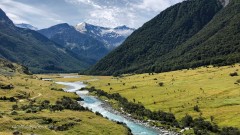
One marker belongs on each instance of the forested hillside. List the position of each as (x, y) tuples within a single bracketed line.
[(190, 34)]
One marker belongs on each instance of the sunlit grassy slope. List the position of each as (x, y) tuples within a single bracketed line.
[(211, 88), (86, 122)]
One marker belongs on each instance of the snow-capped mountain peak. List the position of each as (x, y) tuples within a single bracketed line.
[(26, 26), (81, 27), (112, 37)]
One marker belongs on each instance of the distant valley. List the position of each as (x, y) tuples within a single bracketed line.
[(60, 48)]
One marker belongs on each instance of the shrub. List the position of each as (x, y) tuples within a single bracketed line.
[(238, 81), (233, 74), (187, 121), (230, 131), (134, 87), (161, 84), (15, 107), (99, 114), (196, 108), (14, 113), (28, 111)]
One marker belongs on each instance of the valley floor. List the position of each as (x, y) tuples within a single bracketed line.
[(212, 89), (31, 91)]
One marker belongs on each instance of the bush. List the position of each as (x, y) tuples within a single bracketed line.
[(14, 113), (99, 114), (134, 87), (187, 121), (230, 131), (196, 108), (233, 74), (161, 84), (238, 81), (28, 111), (15, 107)]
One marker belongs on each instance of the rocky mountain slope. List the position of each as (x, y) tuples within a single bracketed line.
[(82, 45), (111, 37)]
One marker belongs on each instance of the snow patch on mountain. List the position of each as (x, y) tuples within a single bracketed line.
[(81, 27), (111, 37), (26, 26)]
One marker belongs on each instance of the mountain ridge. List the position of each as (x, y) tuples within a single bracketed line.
[(26, 26), (34, 50), (112, 37), (80, 44)]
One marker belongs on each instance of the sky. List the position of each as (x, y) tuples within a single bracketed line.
[(107, 13)]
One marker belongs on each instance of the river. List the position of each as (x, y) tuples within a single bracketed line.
[(97, 105)]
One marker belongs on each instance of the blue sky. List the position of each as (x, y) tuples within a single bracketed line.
[(109, 13)]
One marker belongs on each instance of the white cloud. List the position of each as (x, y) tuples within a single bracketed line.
[(154, 5), (23, 13), (110, 13), (119, 12), (87, 2)]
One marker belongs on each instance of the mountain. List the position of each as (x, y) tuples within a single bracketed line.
[(26, 26), (34, 50), (81, 44), (111, 37), (187, 35)]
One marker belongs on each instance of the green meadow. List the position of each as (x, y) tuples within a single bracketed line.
[(212, 90), (31, 90)]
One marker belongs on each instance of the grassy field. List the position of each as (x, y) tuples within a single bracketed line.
[(32, 88), (212, 89)]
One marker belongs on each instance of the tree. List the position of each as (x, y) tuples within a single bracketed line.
[(187, 121), (14, 107)]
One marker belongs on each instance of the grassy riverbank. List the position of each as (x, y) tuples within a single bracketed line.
[(212, 90), (31, 91)]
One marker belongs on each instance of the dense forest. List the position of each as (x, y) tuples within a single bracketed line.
[(187, 35)]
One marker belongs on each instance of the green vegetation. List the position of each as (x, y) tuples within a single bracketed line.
[(35, 106), (191, 34), (208, 95)]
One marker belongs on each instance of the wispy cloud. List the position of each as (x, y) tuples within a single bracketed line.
[(24, 13), (108, 13)]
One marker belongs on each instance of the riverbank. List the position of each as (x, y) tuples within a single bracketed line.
[(209, 95), (104, 108), (160, 130), (147, 123), (22, 110)]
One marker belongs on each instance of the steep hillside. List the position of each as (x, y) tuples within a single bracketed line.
[(151, 48), (9, 68), (217, 44), (34, 50), (81, 44)]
